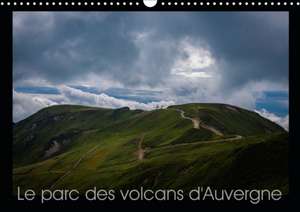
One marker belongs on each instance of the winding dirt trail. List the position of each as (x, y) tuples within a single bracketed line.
[(198, 123), (235, 138), (141, 151), (75, 165)]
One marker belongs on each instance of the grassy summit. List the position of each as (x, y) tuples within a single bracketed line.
[(182, 146)]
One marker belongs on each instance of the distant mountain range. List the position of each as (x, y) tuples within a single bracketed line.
[(182, 146)]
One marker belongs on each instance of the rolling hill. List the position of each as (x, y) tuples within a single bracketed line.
[(182, 146)]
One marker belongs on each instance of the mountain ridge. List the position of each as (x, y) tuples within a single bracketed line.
[(140, 144)]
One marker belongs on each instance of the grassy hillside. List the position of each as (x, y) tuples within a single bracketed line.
[(81, 147), (230, 119)]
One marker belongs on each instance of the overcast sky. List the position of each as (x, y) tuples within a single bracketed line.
[(145, 59)]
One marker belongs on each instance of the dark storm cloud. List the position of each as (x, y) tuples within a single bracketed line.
[(253, 46), (70, 46), (65, 46)]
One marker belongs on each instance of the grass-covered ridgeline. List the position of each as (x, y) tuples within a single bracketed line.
[(101, 146)]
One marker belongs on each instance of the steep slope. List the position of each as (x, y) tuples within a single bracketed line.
[(82, 147)]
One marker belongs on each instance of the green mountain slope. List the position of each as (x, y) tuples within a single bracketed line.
[(179, 147)]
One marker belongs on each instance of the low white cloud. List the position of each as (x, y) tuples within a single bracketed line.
[(282, 121), (27, 104), (77, 96)]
